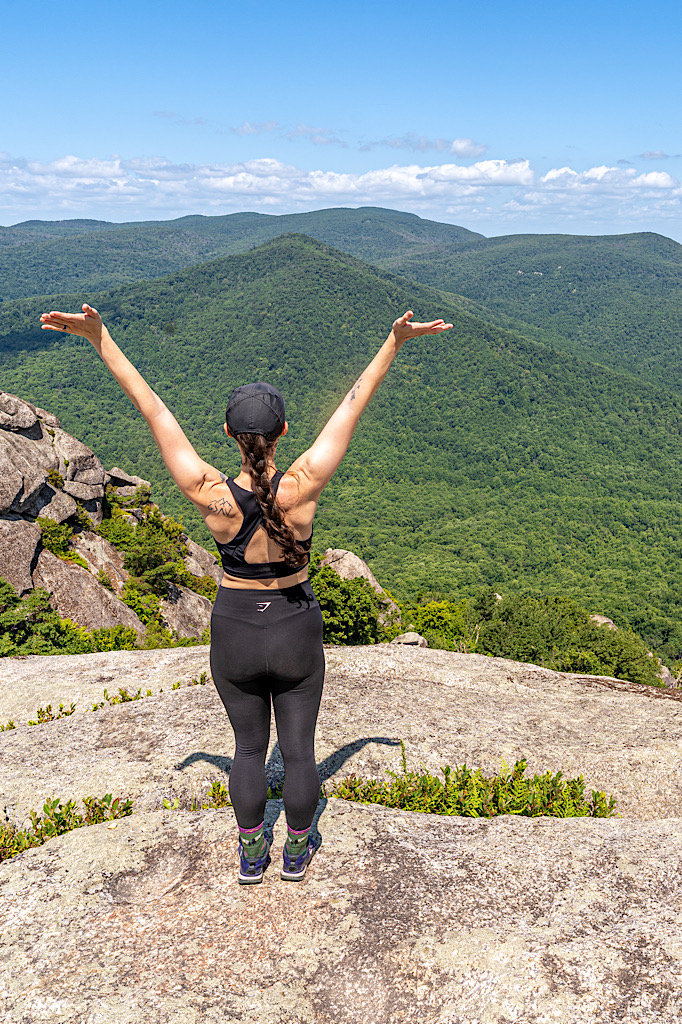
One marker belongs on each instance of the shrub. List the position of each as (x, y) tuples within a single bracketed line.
[(472, 794), (29, 625), (350, 608), (55, 478), (58, 818)]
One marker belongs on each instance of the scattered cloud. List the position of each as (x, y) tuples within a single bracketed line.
[(625, 163), (318, 136), (464, 148), (255, 128), (504, 190), (654, 154)]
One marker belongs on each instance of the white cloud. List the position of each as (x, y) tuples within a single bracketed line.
[(318, 136), (606, 178), (490, 190), (654, 154), (467, 148), (464, 148), (255, 128)]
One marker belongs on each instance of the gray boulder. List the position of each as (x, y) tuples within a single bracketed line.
[(24, 468), (101, 556), (76, 595), (408, 917), (125, 483), (48, 418), (57, 505), (411, 640), (186, 612), (15, 414), (201, 562), (19, 542), (119, 478)]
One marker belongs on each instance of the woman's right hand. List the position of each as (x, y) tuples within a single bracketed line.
[(87, 324), (403, 329)]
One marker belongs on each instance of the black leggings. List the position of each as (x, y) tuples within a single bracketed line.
[(269, 643)]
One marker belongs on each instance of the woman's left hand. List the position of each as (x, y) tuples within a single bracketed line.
[(87, 324)]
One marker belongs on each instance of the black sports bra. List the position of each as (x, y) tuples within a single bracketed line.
[(232, 552)]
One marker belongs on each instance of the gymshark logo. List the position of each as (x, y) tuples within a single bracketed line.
[(262, 605)]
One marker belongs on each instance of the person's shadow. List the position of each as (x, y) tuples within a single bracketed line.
[(274, 774)]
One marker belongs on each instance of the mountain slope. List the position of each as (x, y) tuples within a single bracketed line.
[(615, 299), (485, 458), (41, 257)]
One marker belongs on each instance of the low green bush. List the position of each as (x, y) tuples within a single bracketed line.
[(350, 608), (58, 818), (472, 794)]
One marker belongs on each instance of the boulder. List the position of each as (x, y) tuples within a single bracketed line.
[(19, 542), (24, 468), (603, 620), (125, 483), (57, 505), (350, 566), (447, 708), (15, 414), (48, 418), (76, 595), (186, 612), (101, 556), (75, 458), (411, 640), (201, 562)]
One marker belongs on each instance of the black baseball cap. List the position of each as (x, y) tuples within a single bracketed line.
[(255, 409)]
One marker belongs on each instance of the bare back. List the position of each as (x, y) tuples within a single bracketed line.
[(224, 519)]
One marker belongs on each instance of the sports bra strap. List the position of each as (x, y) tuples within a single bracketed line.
[(232, 553)]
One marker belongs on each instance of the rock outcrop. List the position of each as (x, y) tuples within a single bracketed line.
[(411, 639), (77, 595), (46, 472), (350, 566), (401, 917)]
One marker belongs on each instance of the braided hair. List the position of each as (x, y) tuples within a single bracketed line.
[(257, 449)]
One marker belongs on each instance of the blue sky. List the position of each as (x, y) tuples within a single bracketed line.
[(503, 117)]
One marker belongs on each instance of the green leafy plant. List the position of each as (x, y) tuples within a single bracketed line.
[(55, 478), (47, 714), (58, 818), (171, 806), (463, 791), (216, 798)]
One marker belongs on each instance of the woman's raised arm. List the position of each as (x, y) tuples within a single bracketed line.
[(317, 465), (189, 471)]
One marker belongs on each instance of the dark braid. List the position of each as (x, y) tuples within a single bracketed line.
[(257, 450)]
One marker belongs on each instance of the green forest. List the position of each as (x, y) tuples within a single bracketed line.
[(487, 459)]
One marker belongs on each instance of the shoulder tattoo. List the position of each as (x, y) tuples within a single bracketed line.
[(220, 507)]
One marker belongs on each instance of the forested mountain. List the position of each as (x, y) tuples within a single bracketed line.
[(485, 458), (44, 257), (615, 299)]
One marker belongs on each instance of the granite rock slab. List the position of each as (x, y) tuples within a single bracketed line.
[(400, 919), (447, 708)]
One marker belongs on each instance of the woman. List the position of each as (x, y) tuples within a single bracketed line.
[(266, 626)]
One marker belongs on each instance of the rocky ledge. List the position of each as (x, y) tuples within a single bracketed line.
[(46, 472), (402, 917)]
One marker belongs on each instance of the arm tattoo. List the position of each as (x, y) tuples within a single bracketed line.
[(220, 507), (354, 389)]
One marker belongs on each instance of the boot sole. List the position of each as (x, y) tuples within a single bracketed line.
[(296, 876)]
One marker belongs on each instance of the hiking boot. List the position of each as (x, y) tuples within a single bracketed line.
[(294, 868), (251, 871)]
